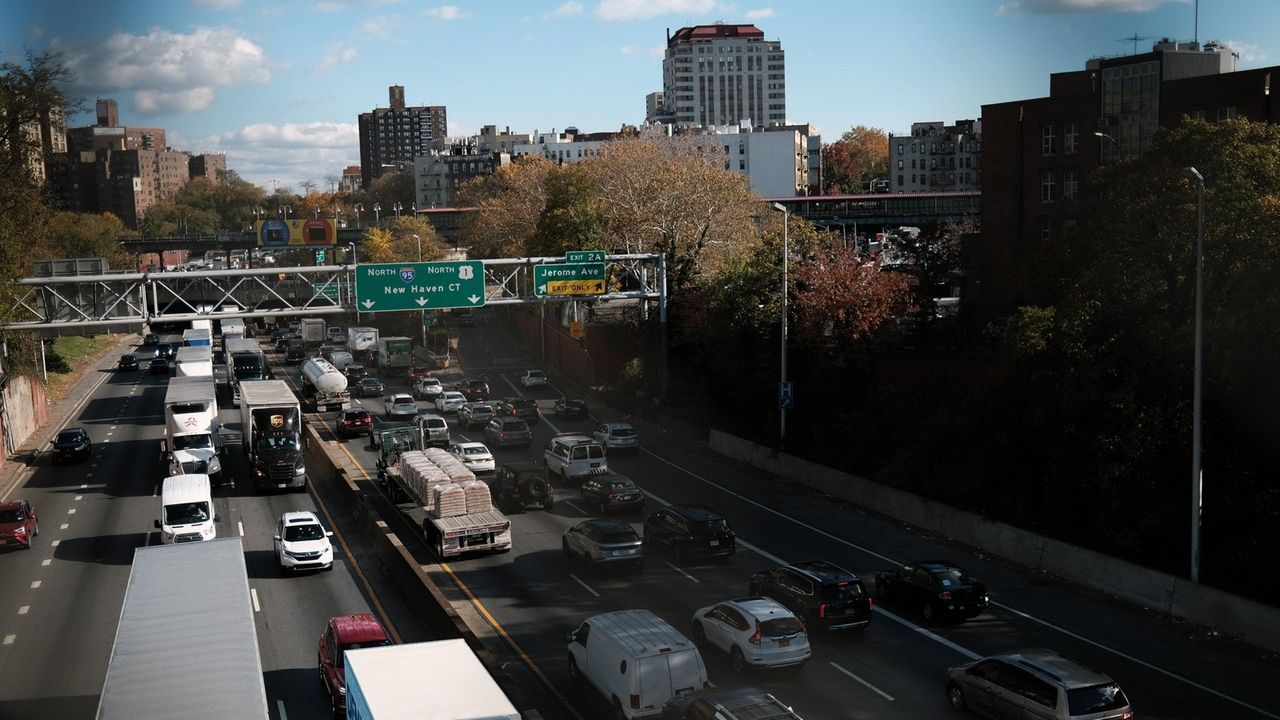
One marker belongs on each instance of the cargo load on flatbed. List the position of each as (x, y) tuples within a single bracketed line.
[(459, 512)]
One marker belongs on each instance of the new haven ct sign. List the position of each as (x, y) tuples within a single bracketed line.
[(420, 286)]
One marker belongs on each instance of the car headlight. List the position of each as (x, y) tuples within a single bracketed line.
[(214, 465), (259, 472), (167, 535), (300, 470)]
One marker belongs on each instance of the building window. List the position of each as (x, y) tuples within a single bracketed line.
[(899, 148), (899, 181), (900, 164), (1047, 230), (1046, 187), (1070, 139), (1048, 139), (1070, 186)]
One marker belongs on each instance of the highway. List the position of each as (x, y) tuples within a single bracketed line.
[(60, 601)]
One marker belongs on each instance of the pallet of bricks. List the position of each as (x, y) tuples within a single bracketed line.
[(443, 485)]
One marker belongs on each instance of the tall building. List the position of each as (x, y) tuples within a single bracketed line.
[(210, 166), (438, 175), (724, 75), (350, 181), (937, 158), (108, 133), (392, 137)]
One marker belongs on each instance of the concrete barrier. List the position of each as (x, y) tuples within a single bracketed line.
[(1246, 619)]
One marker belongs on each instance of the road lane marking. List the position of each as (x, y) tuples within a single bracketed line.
[(240, 525), (85, 486), (253, 593), (88, 474), (678, 569), (79, 497), (575, 507), (35, 584), (280, 706), (46, 562), (54, 543), (866, 684), (8, 639), (71, 511), (23, 610), (584, 585), (64, 526)]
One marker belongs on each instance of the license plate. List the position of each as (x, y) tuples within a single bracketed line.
[(784, 642), (715, 543), (849, 611)]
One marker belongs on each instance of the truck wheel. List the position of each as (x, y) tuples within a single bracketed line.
[(618, 714)]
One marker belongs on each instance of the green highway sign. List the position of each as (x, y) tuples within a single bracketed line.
[(584, 256), (386, 287), (568, 279)]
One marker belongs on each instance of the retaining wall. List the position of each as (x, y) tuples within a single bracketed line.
[(25, 409)]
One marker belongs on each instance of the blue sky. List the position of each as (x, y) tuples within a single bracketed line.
[(278, 85)]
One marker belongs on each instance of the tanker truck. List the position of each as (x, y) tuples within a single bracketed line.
[(324, 385)]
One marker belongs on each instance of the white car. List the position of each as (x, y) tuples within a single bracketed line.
[(475, 456), (302, 543), (400, 405), (428, 388), (755, 631), (450, 401), (617, 436), (533, 379)]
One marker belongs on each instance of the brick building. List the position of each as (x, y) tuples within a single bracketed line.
[(392, 137)]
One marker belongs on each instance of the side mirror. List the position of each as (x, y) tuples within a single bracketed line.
[(164, 446), (157, 523), (275, 537), (328, 533), (217, 517)]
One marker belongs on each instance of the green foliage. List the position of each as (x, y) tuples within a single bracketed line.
[(569, 220), (72, 235)]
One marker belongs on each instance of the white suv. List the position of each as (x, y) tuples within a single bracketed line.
[(428, 388), (302, 543), (533, 379), (400, 405), (755, 631), (617, 436)]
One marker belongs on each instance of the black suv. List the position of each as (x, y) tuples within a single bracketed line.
[(127, 362), (474, 390), (71, 444), (688, 531), (524, 408), (937, 587), (518, 485), (825, 595), (567, 408)]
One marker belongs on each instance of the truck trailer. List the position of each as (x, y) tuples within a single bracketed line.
[(194, 361), (197, 336), (324, 385), (395, 352), (192, 441), (185, 646), (439, 680), (313, 332), (271, 425)]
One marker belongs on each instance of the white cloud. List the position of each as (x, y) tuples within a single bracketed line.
[(216, 4), (1248, 52), (658, 51), (383, 27), (446, 13), (290, 153), (333, 57), (1065, 7), (760, 14), (623, 10), (167, 71), (570, 8)]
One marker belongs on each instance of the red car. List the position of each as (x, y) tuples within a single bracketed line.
[(416, 372), (346, 632), (353, 422), (18, 523)]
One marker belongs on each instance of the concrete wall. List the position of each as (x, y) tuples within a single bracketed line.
[(1251, 621), (25, 409)]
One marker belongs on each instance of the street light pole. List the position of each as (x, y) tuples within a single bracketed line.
[(1197, 472), (354, 263), (359, 207), (377, 214), (397, 207), (782, 385), (1113, 141)]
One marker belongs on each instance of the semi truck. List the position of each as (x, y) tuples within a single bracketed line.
[(232, 328), (194, 361), (441, 680), (197, 336), (192, 441), (455, 510), (313, 332), (186, 645), (271, 425), (362, 342), (395, 352), (245, 362), (324, 385)]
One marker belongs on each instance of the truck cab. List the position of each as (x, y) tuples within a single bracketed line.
[(186, 510)]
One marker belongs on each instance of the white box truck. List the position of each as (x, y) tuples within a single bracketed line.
[(185, 645), (191, 427), (197, 336), (245, 362), (313, 332), (271, 426), (232, 328), (361, 340), (439, 680), (194, 361)]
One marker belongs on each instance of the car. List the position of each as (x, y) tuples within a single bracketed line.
[(617, 436), (1035, 683), (71, 444), (823, 594), (939, 588), (400, 405), (524, 408), (474, 390), (532, 379), (449, 401), (168, 351), (754, 631), (302, 543), (603, 542), (466, 319), (354, 421), (434, 427), (150, 340), (416, 373), (726, 704), (571, 408), (219, 357), (508, 431), (159, 366), (19, 523), (286, 341), (690, 531), (474, 414), (475, 456), (427, 388), (127, 362), (370, 387), (343, 633), (355, 373), (573, 457), (518, 485), (295, 354), (612, 492)]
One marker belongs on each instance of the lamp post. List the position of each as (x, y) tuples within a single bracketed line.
[(359, 208), (1197, 476), (284, 210), (377, 217), (397, 207), (784, 387), (1113, 141), (871, 186), (317, 212)]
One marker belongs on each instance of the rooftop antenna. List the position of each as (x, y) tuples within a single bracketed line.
[(1134, 38)]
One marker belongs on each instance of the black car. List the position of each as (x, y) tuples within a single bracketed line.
[(167, 351), (824, 595), (689, 531), (353, 422), (127, 362), (518, 485), (612, 492), (570, 408), (370, 387), (938, 588), (524, 408), (284, 342), (295, 354), (151, 340), (474, 390), (159, 366), (355, 373), (71, 444), (219, 357)]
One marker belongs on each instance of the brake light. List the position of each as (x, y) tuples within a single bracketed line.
[(502, 436), (613, 496), (755, 637), (822, 610), (871, 604), (945, 595), (635, 702)]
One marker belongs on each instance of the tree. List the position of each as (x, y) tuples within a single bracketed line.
[(509, 204), (72, 235), (860, 156), (392, 188), (570, 219), (842, 299)]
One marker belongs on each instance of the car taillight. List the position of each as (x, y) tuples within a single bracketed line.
[(871, 604), (755, 636), (613, 496), (822, 610), (945, 595), (502, 436), (635, 702)]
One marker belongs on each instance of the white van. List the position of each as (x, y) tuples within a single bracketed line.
[(636, 660), (186, 510), (341, 359)]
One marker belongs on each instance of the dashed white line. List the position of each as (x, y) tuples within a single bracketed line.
[(23, 610), (71, 511), (88, 474), (54, 543), (35, 584), (575, 507), (584, 585), (253, 593), (79, 497), (240, 525), (866, 684), (8, 639), (86, 485), (680, 570), (46, 562), (64, 526)]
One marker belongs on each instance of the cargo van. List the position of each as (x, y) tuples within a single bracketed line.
[(636, 660), (186, 510)]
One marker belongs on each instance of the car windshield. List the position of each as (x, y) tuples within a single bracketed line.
[(370, 382), (514, 425), (523, 404), (617, 536), (951, 577), (127, 358), (12, 515), (403, 400), (474, 451), (68, 436), (781, 627), (186, 513), (842, 592), (357, 416), (300, 533), (276, 442), (1099, 698), (193, 442)]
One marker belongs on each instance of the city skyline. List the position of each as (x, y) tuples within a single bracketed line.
[(279, 86)]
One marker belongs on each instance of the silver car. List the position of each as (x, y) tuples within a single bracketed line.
[(450, 401), (1035, 684), (617, 436), (755, 631), (400, 405), (603, 542)]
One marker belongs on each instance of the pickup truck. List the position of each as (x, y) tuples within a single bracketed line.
[(573, 457)]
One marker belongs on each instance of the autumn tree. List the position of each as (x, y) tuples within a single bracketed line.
[(72, 234), (570, 220), (509, 204), (389, 189), (842, 298), (860, 156)]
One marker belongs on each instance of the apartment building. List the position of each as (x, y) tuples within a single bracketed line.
[(392, 137), (936, 157), (723, 74), (438, 175)]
